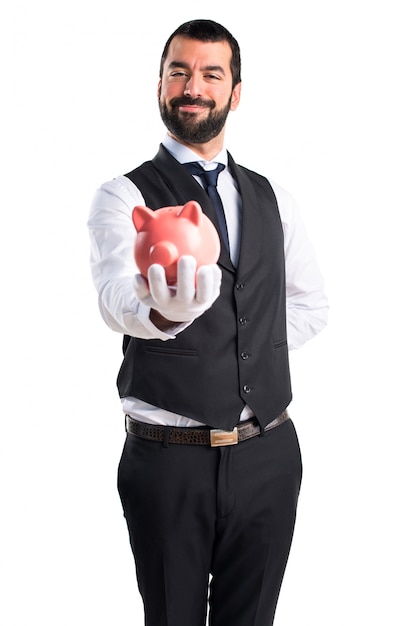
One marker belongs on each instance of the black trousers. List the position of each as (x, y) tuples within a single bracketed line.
[(211, 527)]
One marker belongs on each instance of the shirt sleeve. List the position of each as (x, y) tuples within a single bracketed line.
[(306, 301), (112, 237)]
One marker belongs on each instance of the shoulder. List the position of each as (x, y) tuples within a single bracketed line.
[(114, 200), (121, 188), (285, 201)]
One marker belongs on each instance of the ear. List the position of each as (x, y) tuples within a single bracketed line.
[(235, 96), (192, 211), (141, 215), (159, 87)]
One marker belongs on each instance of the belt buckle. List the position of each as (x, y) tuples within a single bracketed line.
[(220, 437)]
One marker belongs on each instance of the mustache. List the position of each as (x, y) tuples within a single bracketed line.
[(186, 100)]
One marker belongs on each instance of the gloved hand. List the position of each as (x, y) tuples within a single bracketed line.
[(195, 292)]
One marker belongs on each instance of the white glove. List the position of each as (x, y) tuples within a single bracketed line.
[(194, 293)]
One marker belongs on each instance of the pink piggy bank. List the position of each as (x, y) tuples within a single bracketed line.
[(170, 232)]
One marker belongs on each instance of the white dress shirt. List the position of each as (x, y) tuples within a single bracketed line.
[(112, 236)]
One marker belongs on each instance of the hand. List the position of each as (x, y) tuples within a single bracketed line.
[(194, 293)]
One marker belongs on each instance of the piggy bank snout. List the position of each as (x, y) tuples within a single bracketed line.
[(164, 252)]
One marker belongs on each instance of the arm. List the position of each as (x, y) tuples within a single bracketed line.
[(128, 302), (112, 237), (307, 304)]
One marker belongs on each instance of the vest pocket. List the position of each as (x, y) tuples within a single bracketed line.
[(280, 343), (170, 351)]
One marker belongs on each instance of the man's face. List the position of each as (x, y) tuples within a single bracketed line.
[(195, 92)]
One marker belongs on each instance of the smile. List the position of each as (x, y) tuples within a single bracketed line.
[(191, 108)]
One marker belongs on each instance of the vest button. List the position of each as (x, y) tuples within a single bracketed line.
[(240, 286), (247, 388), (242, 321), (244, 355)]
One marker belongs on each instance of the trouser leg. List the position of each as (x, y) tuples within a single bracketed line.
[(258, 490), (168, 497)]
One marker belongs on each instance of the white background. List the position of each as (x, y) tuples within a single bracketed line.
[(318, 115)]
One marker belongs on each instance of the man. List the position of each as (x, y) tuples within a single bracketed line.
[(211, 468)]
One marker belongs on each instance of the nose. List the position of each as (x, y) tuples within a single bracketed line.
[(192, 87)]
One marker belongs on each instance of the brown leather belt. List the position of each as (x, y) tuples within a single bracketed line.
[(201, 436)]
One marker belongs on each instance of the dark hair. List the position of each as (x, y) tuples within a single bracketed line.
[(207, 30)]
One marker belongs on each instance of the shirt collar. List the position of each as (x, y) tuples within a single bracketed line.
[(185, 155)]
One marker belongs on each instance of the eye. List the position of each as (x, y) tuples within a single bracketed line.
[(211, 77), (178, 74)]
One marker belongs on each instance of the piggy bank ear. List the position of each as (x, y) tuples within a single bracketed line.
[(192, 211), (141, 215)]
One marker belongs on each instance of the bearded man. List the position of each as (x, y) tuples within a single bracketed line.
[(211, 469)]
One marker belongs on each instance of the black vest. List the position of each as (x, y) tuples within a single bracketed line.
[(236, 352)]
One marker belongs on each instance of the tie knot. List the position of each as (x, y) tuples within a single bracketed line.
[(209, 177)]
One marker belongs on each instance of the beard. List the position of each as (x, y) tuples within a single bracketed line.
[(186, 127)]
